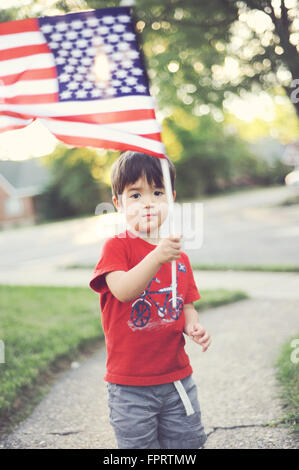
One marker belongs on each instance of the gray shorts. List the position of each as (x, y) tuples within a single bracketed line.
[(163, 416)]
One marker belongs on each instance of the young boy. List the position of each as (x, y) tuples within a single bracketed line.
[(151, 394)]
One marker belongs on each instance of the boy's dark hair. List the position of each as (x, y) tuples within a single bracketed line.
[(130, 166)]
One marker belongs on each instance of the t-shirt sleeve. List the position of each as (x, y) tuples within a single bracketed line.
[(113, 257), (192, 293)]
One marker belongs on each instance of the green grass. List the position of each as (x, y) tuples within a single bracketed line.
[(39, 325), (253, 267), (216, 297), (217, 267), (287, 373), (44, 329)]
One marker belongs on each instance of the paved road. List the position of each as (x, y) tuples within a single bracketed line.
[(245, 227)]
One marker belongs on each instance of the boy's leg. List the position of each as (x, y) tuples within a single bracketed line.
[(133, 416), (180, 425)]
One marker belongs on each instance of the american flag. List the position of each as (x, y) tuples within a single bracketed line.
[(82, 75)]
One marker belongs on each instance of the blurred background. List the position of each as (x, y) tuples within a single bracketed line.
[(225, 78)]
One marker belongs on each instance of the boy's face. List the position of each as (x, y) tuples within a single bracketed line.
[(145, 206)]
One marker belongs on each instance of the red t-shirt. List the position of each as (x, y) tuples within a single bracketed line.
[(144, 337)]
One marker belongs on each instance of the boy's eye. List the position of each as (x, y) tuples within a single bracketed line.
[(157, 193), (135, 195)]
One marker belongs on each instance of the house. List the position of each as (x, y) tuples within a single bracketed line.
[(20, 182)]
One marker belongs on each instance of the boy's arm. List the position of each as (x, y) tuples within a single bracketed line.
[(194, 328), (128, 285)]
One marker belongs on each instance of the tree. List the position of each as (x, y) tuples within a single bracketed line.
[(76, 185), (198, 52), (273, 33)]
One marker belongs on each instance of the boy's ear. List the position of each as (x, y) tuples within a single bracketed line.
[(117, 203), (174, 195)]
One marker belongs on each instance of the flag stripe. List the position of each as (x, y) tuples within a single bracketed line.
[(16, 115), (8, 121), (21, 39), (100, 118), (28, 99), (35, 74), (11, 128), (24, 51), (155, 136), (38, 61), (28, 87), (94, 131), (127, 103), (106, 144), (111, 118), (145, 128), (19, 26)]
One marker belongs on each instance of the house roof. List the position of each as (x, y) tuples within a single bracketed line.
[(24, 177)]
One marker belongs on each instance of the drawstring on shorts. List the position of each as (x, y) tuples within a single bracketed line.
[(184, 397)]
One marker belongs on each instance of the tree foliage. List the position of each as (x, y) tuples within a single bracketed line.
[(76, 185), (199, 52)]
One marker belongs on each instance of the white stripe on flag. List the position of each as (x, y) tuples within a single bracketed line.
[(75, 108), (31, 87), (95, 131), (29, 38), (149, 126), (19, 65), (6, 121)]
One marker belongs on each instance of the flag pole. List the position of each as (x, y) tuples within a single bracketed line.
[(169, 194)]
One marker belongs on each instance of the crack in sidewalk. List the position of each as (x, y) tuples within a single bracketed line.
[(65, 433), (238, 426), (214, 429)]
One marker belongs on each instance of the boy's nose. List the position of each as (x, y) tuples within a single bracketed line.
[(148, 203)]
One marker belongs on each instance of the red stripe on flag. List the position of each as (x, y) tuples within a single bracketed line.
[(23, 51), (106, 144), (11, 128), (111, 118), (19, 26), (38, 74), (156, 136), (16, 115), (33, 99)]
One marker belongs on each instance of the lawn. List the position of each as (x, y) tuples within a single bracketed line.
[(40, 326), (219, 267), (287, 372)]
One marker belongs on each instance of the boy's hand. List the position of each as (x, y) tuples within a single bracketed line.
[(168, 249), (199, 334)]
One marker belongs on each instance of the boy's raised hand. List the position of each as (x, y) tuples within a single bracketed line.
[(168, 249)]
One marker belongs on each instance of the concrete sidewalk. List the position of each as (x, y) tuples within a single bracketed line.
[(236, 378), (258, 284)]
